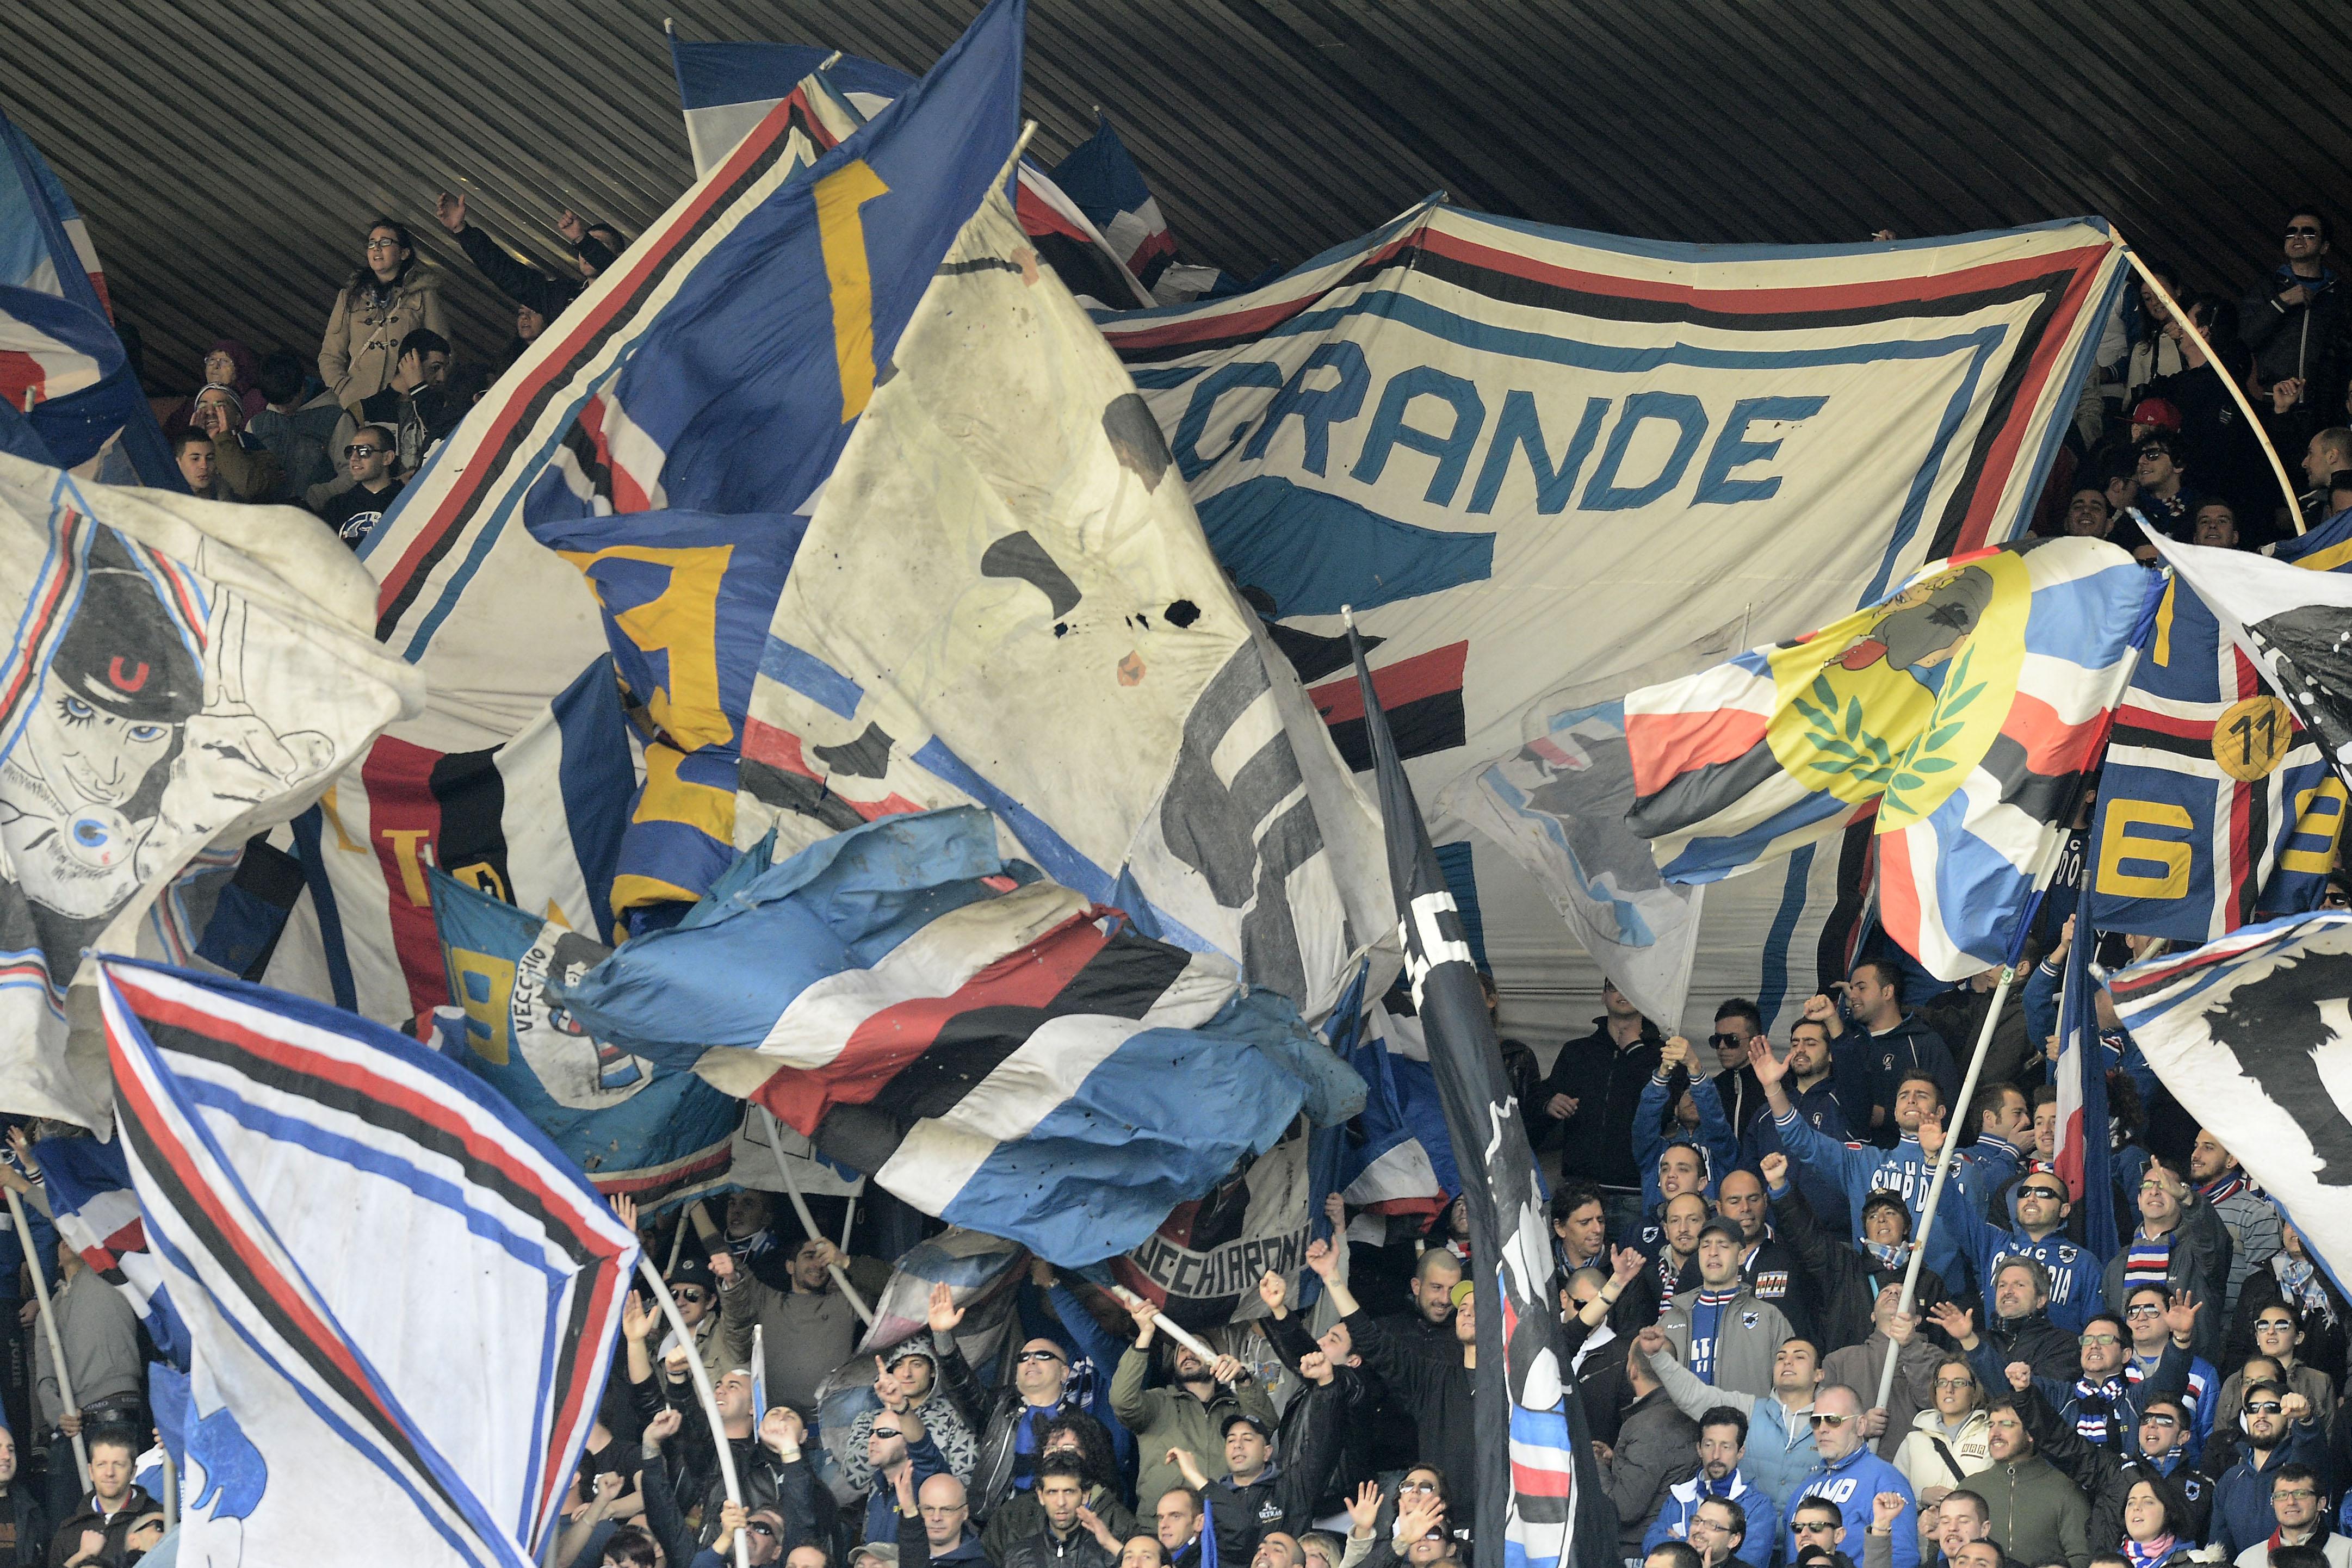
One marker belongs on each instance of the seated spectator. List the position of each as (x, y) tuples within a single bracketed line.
[(242, 468), (1191, 1410), (294, 429), (2299, 1504), (1948, 1441), (97, 1532), (354, 514), (390, 296), (1719, 1510)]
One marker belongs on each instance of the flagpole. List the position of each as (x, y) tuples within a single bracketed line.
[(2147, 280), (49, 1323), (702, 1389), (2054, 841), (1167, 1325), (808, 1220)]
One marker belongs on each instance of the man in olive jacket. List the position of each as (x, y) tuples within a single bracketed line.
[(1189, 1413), (2038, 1513)]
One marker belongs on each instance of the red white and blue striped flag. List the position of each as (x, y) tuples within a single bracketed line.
[(426, 1392), (1530, 1421)]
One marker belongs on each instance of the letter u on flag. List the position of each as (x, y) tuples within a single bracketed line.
[(426, 1393), (1962, 709)]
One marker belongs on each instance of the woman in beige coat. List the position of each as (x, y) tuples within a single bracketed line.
[(390, 296)]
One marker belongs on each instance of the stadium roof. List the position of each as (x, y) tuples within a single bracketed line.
[(228, 158)]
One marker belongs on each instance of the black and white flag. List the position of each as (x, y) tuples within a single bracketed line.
[(2295, 623), (2254, 1032)]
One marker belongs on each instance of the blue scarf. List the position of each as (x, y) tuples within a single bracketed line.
[(1705, 1325), (2092, 1403)]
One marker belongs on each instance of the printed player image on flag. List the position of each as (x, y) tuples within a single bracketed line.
[(1960, 708), (658, 1135), (400, 1298), (2253, 1032), (184, 672), (994, 1048)]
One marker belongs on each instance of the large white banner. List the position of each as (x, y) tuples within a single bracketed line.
[(1532, 458)]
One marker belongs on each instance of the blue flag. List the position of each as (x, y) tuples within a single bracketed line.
[(655, 1135)]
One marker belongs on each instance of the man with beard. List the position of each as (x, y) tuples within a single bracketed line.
[(1188, 1413)]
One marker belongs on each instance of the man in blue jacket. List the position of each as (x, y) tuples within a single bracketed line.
[(1905, 1169), (1820, 1087), (1884, 1042), (1722, 1443), (1850, 1475), (2278, 1430)]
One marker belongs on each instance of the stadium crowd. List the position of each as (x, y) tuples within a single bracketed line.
[(1733, 1218), (342, 430)]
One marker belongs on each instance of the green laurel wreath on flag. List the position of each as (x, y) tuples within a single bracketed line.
[(1846, 747)]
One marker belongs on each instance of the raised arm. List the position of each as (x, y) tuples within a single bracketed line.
[(1848, 1167), (1714, 1129)]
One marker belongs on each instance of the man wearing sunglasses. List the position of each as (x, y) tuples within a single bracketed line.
[(2070, 1275), (2276, 1429), (2107, 1475), (1850, 1475), (368, 458), (2295, 319)]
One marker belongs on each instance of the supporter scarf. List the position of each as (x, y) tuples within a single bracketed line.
[(1705, 1325), (2223, 1186), (2145, 1262), (1668, 1272), (2300, 1280), (1889, 1255), (2148, 1554), (2092, 1403)]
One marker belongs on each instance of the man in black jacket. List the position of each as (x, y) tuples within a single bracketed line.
[(1443, 1396), (2106, 1476), (2019, 1330), (24, 1523), (1591, 1095), (1253, 1498), (1065, 1543)]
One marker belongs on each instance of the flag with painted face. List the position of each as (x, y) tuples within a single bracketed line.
[(992, 1048), (653, 1134), (62, 368), (185, 673), (1961, 710), (290, 1162)]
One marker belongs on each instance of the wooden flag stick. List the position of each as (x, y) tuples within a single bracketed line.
[(695, 1369), (49, 1323)]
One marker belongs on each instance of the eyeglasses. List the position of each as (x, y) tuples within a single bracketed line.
[(885, 1432), (1956, 1383), (383, 245), (1814, 1527), (2100, 1339), (2051, 1193), (2263, 1408), (1039, 1355), (1831, 1420), (358, 447), (2303, 231), (2301, 1494)]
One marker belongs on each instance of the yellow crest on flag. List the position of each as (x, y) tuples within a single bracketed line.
[(1899, 702)]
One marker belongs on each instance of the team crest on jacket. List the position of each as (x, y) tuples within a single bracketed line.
[(1747, 1320)]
